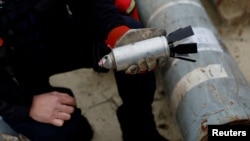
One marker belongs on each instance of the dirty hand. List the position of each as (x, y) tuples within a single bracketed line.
[(53, 108), (144, 64)]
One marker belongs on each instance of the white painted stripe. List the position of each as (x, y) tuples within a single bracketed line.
[(193, 79), (167, 5), (205, 39)]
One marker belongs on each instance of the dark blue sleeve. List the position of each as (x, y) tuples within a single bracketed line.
[(13, 112), (9, 110), (98, 17)]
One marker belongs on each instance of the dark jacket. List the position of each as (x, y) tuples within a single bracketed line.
[(34, 30)]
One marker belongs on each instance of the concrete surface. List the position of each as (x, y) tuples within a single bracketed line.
[(98, 98)]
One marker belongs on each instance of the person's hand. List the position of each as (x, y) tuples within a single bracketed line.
[(53, 108), (134, 35), (144, 64)]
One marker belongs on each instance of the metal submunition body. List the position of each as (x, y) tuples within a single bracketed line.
[(122, 57)]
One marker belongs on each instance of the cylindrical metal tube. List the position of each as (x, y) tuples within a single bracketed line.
[(156, 47), (122, 57), (211, 91)]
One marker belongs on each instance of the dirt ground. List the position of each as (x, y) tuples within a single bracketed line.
[(98, 98)]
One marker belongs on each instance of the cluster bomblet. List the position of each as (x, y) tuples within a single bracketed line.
[(122, 57)]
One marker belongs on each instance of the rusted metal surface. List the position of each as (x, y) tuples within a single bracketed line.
[(211, 91)]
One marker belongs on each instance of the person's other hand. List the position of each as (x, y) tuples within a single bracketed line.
[(53, 108), (134, 35)]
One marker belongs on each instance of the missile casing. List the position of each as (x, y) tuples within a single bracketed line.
[(212, 91)]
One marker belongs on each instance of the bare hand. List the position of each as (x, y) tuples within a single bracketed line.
[(53, 108)]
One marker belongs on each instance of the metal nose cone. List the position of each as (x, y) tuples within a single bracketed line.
[(106, 62)]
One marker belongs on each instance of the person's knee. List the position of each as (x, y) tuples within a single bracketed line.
[(77, 128)]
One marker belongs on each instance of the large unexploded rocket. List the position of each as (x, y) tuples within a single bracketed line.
[(122, 57)]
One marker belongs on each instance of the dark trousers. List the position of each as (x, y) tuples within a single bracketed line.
[(134, 115)]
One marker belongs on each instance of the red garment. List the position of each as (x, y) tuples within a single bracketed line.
[(115, 34), (1, 42), (127, 7)]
